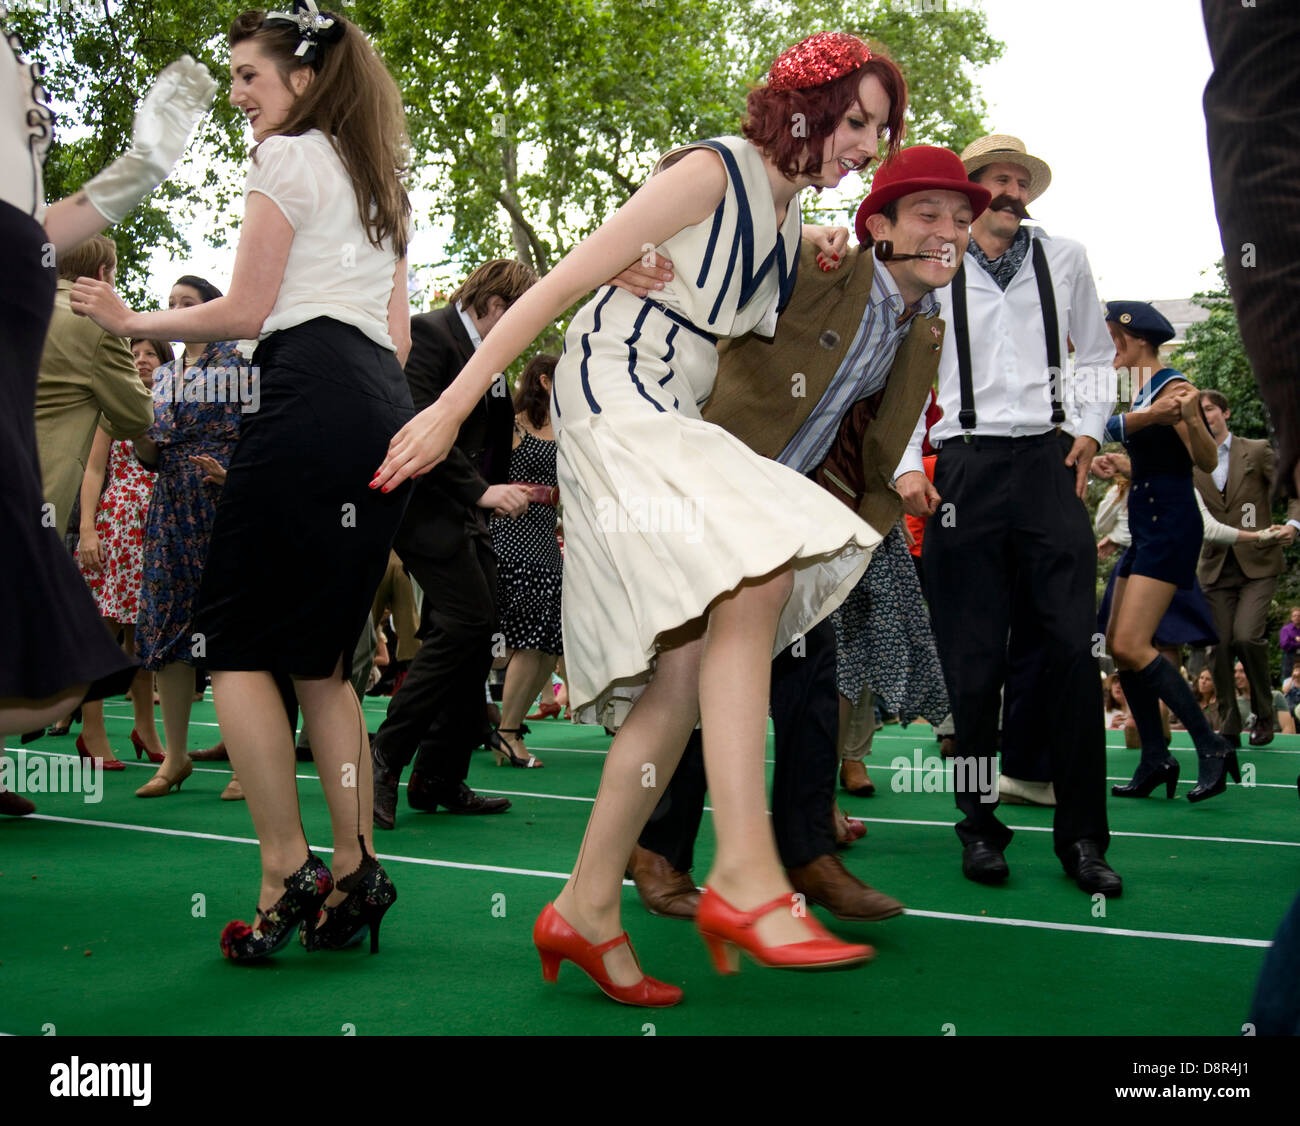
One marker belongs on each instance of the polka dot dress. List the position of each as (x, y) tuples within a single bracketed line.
[(529, 567)]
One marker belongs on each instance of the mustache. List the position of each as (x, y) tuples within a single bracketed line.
[(1005, 202)]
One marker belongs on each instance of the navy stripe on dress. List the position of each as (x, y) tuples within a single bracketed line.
[(713, 242), (586, 351), (631, 358)]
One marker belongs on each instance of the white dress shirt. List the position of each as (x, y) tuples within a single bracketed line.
[(1009, 374), (470, 327), (1220, 473)]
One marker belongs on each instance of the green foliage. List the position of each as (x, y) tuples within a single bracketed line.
[(1213, 356), (531, 120), (99, 62), (536, 119)]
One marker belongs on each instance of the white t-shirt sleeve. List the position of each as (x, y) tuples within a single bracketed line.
[(284, 171)]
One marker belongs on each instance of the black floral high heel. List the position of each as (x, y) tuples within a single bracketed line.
[(304, 893), (505, 753), (370, 894)]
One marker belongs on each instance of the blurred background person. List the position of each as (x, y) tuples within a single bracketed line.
[(111, 555), (186, 431), (1239, 579), (529, 568), (87, 376), (1280, 715), (1289, 641)]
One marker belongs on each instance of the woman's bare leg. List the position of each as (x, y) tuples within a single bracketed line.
[(19, 715), (142, 698), (641, 760), (735, 681), (260, 744), (342, 753), (528, 671), (176, 691)]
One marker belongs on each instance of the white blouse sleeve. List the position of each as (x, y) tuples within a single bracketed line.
[(283, 171), (1214, 532)]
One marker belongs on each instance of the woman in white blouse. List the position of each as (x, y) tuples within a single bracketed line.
[(320, 281)]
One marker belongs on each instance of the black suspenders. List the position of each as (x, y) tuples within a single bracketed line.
[(1051, 330)]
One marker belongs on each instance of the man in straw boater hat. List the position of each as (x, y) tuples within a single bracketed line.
[(1011, 547), (832, 394)]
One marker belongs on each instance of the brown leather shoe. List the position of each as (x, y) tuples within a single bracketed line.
[(947, 746), (827, 883), (853, 777), (14, 805), (664, 891), (212, 754)]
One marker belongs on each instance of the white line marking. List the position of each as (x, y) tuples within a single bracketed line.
[(709, 809), (427, 862)]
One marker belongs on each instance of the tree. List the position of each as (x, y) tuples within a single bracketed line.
[(536, 119), (531, 120), (1213, 357), (100, 60)]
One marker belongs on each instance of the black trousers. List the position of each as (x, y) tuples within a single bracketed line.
[(1027, 701), (805, 715), (1252, 119), (1010, 527), (439, 710)]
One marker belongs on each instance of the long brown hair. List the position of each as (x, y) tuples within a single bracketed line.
[(354, 101), (531, 398)]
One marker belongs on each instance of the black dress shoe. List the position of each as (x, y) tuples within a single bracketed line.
[(420, 794), (1261, 735), (385, 793), (983, 863), (1086, 865)]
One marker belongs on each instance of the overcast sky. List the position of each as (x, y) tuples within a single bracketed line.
[(1108, 92)]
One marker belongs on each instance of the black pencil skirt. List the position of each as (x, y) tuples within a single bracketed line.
[(300, 540)]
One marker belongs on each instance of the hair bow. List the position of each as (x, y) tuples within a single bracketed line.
[(315, 28)]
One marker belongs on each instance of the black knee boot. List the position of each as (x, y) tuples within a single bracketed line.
[(1157, 765)]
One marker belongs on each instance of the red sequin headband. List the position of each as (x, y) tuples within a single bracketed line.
[(819, 59)]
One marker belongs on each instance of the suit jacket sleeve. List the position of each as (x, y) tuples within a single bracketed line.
[(430, 369), (125, 403)]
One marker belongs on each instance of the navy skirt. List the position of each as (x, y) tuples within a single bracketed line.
[(300, 540), (1167, 531), (1188, 620)]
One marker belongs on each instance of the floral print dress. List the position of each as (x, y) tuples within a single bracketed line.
[(189, 419), (119, 524)]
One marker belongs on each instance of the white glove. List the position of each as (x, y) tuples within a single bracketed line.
[(180, 96), (1267, 538)]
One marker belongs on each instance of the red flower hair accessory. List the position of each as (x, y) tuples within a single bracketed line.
[(819, 59)]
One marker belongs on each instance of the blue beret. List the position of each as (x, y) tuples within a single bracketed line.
[(1140, 319)]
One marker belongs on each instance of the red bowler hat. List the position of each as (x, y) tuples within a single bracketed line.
[(918, 169)]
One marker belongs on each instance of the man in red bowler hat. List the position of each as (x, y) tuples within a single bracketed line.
[(833, 394)]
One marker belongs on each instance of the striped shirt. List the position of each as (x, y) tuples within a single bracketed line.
[(863, 372)]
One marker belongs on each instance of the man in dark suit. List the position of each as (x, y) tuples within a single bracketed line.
[(1239, 580), (861, 344), (445, 544)]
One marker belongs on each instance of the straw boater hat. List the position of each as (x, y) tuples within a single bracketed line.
[(998, 148)]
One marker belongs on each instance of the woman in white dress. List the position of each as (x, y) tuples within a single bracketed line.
[(689, 559)]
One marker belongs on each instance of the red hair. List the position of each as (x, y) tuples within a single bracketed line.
[(770, 115)]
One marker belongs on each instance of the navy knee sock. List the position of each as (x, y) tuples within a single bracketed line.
[(1163, 680), (1144, 707)]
